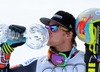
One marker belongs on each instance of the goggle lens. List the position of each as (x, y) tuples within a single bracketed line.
[(53, 28), (57, 59)]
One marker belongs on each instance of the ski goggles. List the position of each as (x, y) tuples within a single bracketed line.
[(54, 28), (58, 59)]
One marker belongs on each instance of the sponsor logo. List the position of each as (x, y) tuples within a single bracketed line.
[(57, 16), (29, 61)]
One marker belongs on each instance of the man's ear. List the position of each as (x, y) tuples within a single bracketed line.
[(69, 34)]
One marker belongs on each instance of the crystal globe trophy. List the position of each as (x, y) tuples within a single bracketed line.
[(3, 33), (37, 36)]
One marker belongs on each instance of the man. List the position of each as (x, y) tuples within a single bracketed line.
[(63, 55)]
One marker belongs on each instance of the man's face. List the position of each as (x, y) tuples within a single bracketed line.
[(57, 37)]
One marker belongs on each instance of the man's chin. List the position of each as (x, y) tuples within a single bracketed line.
[(48, 44)]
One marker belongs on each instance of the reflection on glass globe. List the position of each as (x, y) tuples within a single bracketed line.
[(37, 36), (3, 33)]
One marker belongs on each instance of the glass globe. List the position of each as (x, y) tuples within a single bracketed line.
[(3, 33), (37, 36)]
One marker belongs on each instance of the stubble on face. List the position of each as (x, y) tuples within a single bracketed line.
[(56, 39)]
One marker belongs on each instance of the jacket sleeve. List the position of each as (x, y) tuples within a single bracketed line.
[(29, 68)]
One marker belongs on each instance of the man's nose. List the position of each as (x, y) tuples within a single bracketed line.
[(49, 31)]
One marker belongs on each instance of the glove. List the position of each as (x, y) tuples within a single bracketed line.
[(9, 45), (15, 38)]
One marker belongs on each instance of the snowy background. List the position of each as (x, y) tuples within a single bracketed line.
[(27, 12)]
